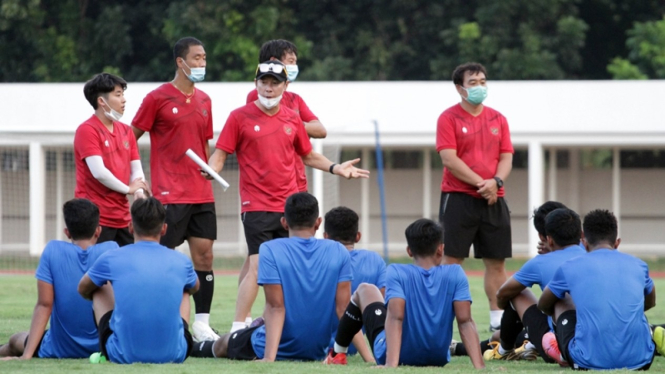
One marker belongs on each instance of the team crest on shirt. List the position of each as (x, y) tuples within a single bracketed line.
[(257, 128), (126, 144), (106, 143), (175, 110), (205, 113), (494, 130), (288, 130)]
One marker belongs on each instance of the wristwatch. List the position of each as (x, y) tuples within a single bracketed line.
[(499, 182)]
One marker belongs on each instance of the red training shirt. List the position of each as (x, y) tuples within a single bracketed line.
[(478, 140), (175, 126), (267, 148), (294, 102), (117, 149)]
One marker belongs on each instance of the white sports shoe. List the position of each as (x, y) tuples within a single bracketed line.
[(202, 332)]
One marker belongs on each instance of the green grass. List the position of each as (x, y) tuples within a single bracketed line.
[(18, 296)]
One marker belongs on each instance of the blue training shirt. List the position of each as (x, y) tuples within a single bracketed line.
[(368, 267), (309, 271), (73, 333), (608, 288), (148, 282), (427, 329), (540, 269)]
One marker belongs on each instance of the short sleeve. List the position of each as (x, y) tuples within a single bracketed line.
[(145, 116), (100, 272), (381, 273), (43, 272), (268, 273), (228, 138), (252, 96), (133, 148), (87, 142), (306, 114), (302, 144), (648, 284), (209, 133), (346, 270), (506, 144), (558, 285), (191, 276), (462, 292), (529, 273), (394, 288), (445, 133)]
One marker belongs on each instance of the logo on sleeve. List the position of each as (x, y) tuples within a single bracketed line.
[(205, 113)]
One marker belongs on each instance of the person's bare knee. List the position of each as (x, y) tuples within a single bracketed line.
[(221, 346), (201, 252), (103, 301), (16, 343), (448, 260), (523, 301), (366, 294), (563, 305)]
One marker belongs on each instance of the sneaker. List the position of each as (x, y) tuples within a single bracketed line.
[(453, 346), (551, 347), (97, 358), (338, 359), (202, 332), (493, 354), (659, 339), (526, 352)]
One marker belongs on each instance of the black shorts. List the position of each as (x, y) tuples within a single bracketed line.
[(189, 220), (240, 345), (104, 330), (120, 236), (374, 321), (468, 220), (39, 345), (261, 227)]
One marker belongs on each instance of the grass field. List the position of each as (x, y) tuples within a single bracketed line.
[(18, 296)]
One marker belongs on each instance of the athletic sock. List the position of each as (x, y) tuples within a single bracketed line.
[(510, 328), (203, 298), (248, 321), (495, 318), (202, 317), (203, 349), (339, 349), (349, 325), (238, 325)]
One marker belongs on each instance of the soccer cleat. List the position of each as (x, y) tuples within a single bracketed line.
[(202, 332), (453, 346), (338, 359), (97, 358), (493, 354), (523, 353), (659, 339), (551, 347)]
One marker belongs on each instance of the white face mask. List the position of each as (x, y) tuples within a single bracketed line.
[(113, 115), (269, 103)]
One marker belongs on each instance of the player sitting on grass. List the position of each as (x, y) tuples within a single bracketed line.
[(139, 315), (61, 266), (341, 224), (563, 230), (422, 300), (305, 280), (605, 328)]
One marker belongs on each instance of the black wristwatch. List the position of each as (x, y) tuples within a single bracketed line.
[(499, 182)]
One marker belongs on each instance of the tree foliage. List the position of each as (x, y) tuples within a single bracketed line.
[(71, 40)]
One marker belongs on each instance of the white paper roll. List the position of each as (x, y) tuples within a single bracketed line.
[(207, 168)]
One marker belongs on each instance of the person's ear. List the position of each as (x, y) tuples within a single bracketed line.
[(67, 234), (358, 236), (550, 241), (408, 251), (98, 232), (131, 228), (617, 243), (164, 228), (284, 224), (317, 223)]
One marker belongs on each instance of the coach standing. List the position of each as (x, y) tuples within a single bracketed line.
[(477, 154), (178, 117)]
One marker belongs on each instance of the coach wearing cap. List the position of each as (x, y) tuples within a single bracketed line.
[(267, 138)]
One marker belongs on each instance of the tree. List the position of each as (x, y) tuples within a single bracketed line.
[(646, 57)]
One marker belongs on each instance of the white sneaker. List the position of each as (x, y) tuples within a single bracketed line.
[(202, 332)]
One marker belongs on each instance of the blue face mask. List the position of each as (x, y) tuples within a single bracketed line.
[(292, 71), (476, 94), (197, 74)]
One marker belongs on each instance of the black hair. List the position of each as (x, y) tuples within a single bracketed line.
[(301, 210), (599, 226), (181, 47), (148, 216), (541, 212), (564, 227), (102, 84), (276, 49), (341, 224), (81, 218), (472, 67), (423, 237)]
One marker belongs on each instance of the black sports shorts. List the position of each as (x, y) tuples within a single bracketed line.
[(261, 227), (39, 345), (468, 220), (240, 345), (374, 321), (185, 220), (118, 235)]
